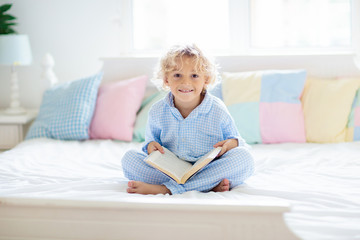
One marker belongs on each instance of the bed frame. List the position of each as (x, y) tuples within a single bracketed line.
[(134, 218)]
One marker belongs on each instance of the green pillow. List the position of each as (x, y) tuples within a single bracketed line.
[(142, 116)]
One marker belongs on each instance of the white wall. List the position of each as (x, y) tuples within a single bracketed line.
[(80, 32), (75, 32)]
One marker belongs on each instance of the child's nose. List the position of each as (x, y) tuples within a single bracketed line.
[(186, 80)]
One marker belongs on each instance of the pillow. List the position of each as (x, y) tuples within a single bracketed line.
[(116, 108), (142, 116), (327, 105), (266, 105), (216, 90), (353, 126), (66, 110)]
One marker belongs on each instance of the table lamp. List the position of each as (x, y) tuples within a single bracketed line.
[(15, 50)]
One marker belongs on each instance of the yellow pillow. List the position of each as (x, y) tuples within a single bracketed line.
[(327, 105), (350, 134)]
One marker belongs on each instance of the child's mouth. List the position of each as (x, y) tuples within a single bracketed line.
[(185, 91)]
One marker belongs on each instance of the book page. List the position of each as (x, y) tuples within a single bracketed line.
[(209, 156), (169, 163), (203, 161)]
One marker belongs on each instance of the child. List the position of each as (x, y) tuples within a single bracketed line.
[(189, 121)]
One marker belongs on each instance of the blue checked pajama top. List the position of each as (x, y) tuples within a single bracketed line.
[(194, 136), (190, 139)]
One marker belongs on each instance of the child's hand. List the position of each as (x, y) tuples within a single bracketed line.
[(226, 145), (153, 146)]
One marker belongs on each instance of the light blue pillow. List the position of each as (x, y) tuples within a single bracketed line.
[(216, 90), (142, 115), (67, 109)]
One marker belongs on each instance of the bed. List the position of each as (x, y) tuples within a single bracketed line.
[(75, 189)]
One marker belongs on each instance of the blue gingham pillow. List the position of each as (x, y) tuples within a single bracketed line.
[(66, 110)]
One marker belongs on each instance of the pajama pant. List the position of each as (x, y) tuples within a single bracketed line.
[(236, 165)]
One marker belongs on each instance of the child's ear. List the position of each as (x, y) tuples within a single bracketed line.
[(207, 80), (166, 81)]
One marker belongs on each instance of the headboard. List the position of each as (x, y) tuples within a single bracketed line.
[(327, 66), (315, 65)]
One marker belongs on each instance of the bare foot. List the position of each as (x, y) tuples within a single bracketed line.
[(223, 186), (146, 188)]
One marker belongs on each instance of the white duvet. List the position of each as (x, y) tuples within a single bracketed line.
[(320, 181)]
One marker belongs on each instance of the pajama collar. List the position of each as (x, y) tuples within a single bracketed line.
[(203, 108)]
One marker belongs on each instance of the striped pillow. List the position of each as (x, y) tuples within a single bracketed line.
[(66, 110)]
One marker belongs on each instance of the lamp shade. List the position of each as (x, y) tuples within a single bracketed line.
[(15, 49)]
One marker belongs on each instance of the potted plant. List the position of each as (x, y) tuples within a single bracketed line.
[(6, 20)]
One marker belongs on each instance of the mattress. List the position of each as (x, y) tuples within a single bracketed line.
[(320, 181)]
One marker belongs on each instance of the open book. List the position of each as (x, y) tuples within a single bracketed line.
[(176, 168)]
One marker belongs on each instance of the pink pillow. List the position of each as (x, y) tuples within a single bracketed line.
[(116, 107)]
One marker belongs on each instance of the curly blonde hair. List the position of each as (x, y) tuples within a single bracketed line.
[(168, 63)]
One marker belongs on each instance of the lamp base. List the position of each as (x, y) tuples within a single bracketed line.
[(15, 111), (15, 108)]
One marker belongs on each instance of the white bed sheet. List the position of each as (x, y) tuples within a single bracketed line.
[(320, 181)]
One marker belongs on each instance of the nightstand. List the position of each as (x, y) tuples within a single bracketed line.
[(13, 128)]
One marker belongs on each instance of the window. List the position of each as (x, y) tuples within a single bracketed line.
[(300, 24), (161, 23), (241, 27)]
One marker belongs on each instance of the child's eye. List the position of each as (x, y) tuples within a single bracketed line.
[(177, 75), (195, 76)]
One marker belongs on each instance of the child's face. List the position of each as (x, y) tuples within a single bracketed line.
[(186, 84)]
